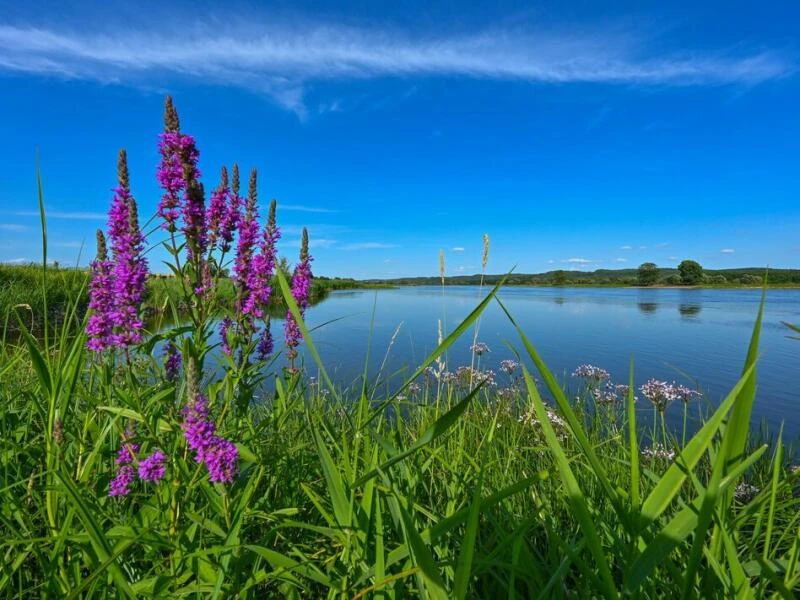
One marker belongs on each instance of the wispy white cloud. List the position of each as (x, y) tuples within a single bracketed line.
[(626, 247), (304, 208), (457, 248), (14, 227), (727, 250), (661, 245), (280, 59), (620, 260), (673, 258), (57, 214), (579, 261), (368, 246)]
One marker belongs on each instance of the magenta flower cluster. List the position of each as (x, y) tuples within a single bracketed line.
[(117, 288), (179, 158), (151, 469), (172, 361), (218, 454), (301, 292), (100, 327)]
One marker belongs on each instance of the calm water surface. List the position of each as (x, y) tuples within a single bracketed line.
[(696, 337)]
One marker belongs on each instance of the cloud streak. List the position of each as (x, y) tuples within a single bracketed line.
[(280, 59), (13, 227), (304, 208)]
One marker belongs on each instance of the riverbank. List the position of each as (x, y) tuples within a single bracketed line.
[(446, 488)]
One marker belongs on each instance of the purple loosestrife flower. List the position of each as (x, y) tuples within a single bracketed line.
[(248, 235), (121, 484), (232, 217), (218, 209), (221, 458), (100, 327), (224, 331), (130, 267), (301, 291), (194, 223), (264, 265), (172, 362), (265, 343), (219, 455), (153, 467), (170, 171), (126, 454)]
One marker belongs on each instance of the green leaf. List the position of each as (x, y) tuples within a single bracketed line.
[(439, 427), (574, 494)]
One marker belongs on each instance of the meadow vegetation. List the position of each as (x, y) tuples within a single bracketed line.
[(202, 458)]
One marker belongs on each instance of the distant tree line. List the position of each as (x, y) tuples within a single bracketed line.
[(688, 273)]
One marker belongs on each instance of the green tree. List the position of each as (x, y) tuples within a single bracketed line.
[(648, 273), (560, 277), (691, 272)]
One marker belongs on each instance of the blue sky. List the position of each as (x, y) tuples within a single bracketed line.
[(576, 135)]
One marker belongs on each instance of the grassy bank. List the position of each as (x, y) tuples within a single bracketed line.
[(27, 289), (445, 489)]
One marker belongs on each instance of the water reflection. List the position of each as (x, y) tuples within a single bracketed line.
[(559, 300), (648, 307), (689, 311)]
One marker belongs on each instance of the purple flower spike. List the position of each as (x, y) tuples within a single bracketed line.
[(265, 343), (126, 454), (100, 328), (248, 236), (219, 455), (172, 363), (224, 330), (221, 458), (129, 272), (153, 467), (121, 484), (301, 292), (230, 219)]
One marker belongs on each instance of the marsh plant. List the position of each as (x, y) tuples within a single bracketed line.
[(203, 459)]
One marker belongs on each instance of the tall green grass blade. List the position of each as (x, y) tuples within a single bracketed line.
[(670, 483), (100, 543), (633, 441), (467, 549), (334, 482), (439, 427), (574, 494), (677, 530)]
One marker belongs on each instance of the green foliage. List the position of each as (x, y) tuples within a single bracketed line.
[(691, 272), (648, 274), (559, 277), (468, 494)]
